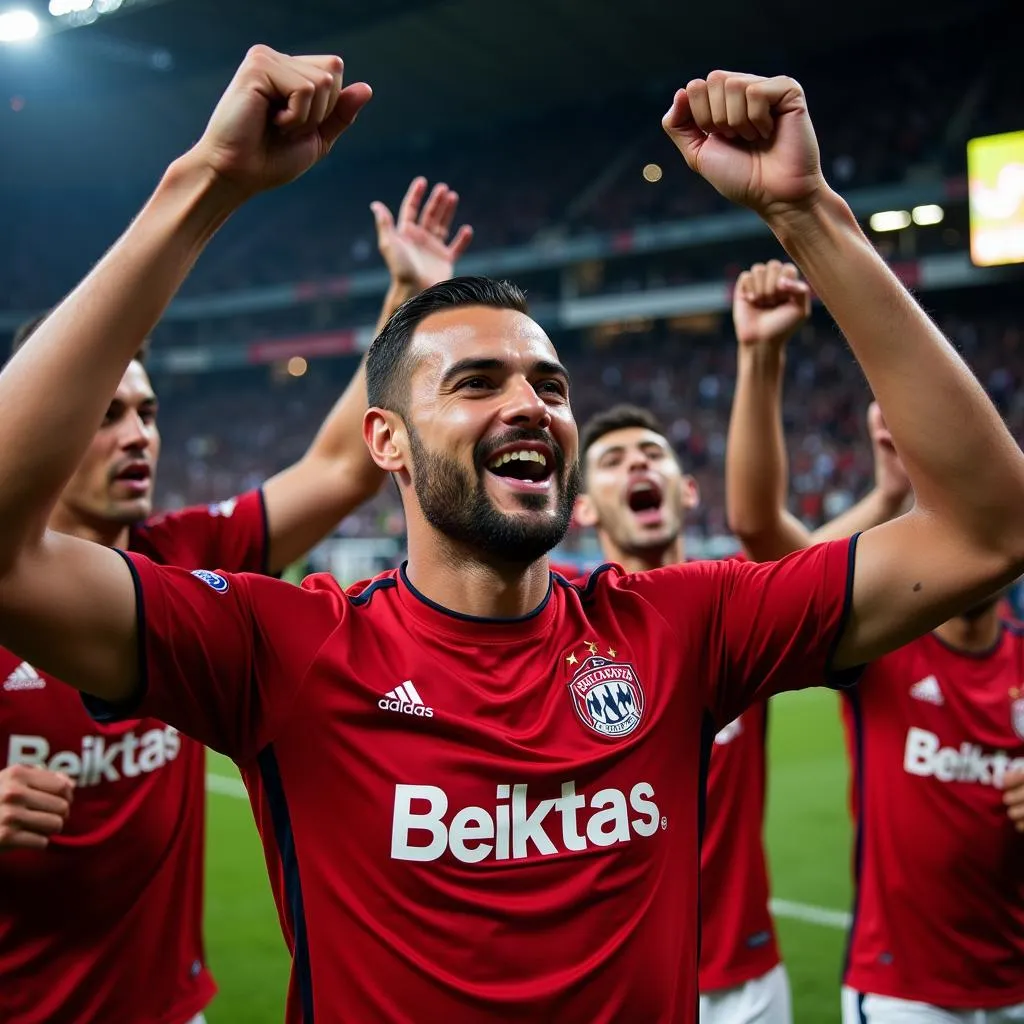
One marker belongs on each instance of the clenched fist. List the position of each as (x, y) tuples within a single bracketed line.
[(750, 137), (769, 303), (34, 804), (277, 118)]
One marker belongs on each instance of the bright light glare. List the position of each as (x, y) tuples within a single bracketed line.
[(297, 366), (18, 26), (890, 220), (59, 8), (930, 213)]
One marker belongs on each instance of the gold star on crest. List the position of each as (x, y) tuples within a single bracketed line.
[(591, 646), (611, 652), (572, 659)]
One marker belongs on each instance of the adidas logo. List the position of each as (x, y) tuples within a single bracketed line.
[(406, 701), (928, 690), (24, 677)]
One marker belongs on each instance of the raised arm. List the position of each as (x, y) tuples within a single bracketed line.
[(306, 501), (769, 304), (68, 605), (964, 538)]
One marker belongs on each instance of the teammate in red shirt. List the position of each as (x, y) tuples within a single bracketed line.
[(935, 732), (106, 924), (480, 787), (636, 495)]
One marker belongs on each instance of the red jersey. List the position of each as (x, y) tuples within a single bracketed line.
[(466, 818), (105, 925), (939, 912), (737, 932)]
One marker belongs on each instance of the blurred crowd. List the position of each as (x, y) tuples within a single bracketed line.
[(226, 433), (563, 173)]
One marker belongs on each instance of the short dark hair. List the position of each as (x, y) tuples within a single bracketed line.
[(618, 417), (29, 327), (387, 369)]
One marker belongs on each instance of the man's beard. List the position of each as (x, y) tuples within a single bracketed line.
[(461, 509)]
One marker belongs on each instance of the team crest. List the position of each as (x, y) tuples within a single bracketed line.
[(1017, 716), (607, 696)]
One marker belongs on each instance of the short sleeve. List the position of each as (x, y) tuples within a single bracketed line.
[(223, 656), (766, 627), (230, 535)]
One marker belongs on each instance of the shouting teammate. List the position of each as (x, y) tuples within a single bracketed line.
[(101, 914), (636, 495), (935, 731), (479, 787)]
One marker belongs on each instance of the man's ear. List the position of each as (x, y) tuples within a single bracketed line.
[(584, 514), (690, 493), (385, 435)]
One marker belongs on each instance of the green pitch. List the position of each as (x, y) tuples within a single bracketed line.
[(808, 835)]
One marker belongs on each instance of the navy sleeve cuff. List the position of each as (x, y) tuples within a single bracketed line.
[(105, 711), (847, 677)]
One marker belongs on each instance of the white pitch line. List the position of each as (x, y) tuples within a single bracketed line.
[(227, 786), (811, 914)]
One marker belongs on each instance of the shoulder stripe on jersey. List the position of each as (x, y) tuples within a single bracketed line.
[(587, 591), (364, 598), (707, 742), (853, 696), (850, 676), (274, 789), (101, 710), (265, 558)]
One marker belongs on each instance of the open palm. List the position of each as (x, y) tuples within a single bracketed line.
[(416, 248)]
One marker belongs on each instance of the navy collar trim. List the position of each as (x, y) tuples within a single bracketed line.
[(478, 619)]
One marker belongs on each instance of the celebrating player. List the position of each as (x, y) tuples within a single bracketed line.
[(636, 496), (479, 786), (935, 730), (107, 924)]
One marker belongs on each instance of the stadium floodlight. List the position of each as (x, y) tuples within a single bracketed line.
[(930, 213), (18, 26), (60, 8), (890, 220)]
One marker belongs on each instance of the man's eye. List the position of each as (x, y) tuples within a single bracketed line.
[(552, 387), (475, 383)]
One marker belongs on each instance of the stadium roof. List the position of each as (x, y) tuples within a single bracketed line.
[(116, 99)]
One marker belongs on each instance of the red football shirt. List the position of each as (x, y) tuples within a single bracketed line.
[(939, 913), (105, 924), (737, 932), (466, 818)]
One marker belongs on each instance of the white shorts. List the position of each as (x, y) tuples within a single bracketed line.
[(859, 1008), (763, 1000)]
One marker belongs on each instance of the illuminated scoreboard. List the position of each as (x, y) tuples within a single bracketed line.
[(995, 173)]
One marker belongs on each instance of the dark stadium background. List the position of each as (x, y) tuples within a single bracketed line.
[(543, 115)]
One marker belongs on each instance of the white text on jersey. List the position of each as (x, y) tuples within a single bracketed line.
[(97, 762), (511, 830), (924, 756), (406, 700)]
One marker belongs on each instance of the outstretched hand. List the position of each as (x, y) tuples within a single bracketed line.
[(769, 303), (750, 137), (278, 117), (416, 248)]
